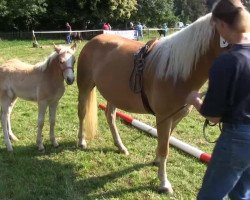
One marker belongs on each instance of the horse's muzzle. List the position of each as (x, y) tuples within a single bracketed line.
[(70, 81)]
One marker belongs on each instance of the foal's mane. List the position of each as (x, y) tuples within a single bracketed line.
[(43, 65), (177, 54)]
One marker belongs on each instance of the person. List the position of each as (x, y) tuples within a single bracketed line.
[(68, 35), (139, 30), (106, 26), (228, 101), (131, 25), (164, 29)]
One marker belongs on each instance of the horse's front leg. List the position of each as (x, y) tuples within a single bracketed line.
[(163, 131), (52, 119), (40, 122), (5, 105), (11, 134), (111, 118)]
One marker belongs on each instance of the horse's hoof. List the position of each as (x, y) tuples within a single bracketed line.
[(13, 138), (10, 149), (55, 144), (41, 149), (124, 151), (167, 190), (82, 145), (156, 163)]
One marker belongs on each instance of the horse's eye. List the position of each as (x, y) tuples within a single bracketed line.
[(61, 61)]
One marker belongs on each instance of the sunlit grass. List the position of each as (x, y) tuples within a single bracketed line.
[(100, 172)]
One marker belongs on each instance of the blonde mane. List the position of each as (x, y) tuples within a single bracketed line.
[(177, 54), (44, 64)]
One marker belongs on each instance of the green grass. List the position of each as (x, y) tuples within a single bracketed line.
[(100, 172)]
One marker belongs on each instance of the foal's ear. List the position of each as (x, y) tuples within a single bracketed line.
[(73, 47), (57, 48)]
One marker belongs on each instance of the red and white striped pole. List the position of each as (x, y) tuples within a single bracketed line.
[(204, 157)]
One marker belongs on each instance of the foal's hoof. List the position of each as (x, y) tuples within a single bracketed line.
[(13, 138), (55, 144), (41, 149), (124, 151), (10, 149), (164, 190)]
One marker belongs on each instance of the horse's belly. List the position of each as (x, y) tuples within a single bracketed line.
[(27, 95), (122, 99)]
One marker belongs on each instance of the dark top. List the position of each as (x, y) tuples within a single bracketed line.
[(228, 94)]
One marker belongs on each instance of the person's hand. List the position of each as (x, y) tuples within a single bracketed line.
[(194, 97)]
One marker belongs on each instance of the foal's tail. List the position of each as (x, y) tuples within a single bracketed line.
[(90, 122)]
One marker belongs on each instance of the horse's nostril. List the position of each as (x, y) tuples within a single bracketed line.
[(70, 81)]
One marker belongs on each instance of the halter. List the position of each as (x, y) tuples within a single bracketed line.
[(67, 67)]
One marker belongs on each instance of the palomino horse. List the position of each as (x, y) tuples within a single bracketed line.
[(175, 66), (42, 82)]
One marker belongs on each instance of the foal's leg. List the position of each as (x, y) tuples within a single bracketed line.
[(52, 119), (5, 105), (41, 114), (163, 130), (111, 117), (11, 134)]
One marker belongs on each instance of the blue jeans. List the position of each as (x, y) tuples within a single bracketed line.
[(68, 39), (228, 172)]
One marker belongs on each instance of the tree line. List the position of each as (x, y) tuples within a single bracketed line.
[(26, 15)]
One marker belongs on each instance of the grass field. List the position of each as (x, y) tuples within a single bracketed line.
[(100, 172)]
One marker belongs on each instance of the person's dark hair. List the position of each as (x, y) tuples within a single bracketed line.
[(233, 13)]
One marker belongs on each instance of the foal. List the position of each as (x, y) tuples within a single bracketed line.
[(42, 82)]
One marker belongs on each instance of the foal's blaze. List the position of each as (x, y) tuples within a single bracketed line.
[(43, 83), (176, 65)]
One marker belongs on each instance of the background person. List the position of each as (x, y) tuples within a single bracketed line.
[(139, 29), (68, 35), (106, 26), (228, 101)]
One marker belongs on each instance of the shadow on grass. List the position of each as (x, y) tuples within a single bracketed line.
[(27, 174)]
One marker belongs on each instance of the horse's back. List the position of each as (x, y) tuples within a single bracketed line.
[(15, 65), (107, 61)]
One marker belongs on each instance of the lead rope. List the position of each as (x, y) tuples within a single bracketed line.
[(208, 123)]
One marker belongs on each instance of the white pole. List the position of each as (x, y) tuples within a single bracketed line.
[(204, 157)]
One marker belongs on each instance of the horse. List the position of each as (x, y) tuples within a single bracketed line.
[(176, 65), (76, 36), (162, 32), (42, 82)]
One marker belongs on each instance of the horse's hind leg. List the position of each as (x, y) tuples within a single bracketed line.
[(111, 118), (52, 119), (11, 134)]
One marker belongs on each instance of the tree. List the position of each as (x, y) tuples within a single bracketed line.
[(189, 10), (155, 12), (21, 14)]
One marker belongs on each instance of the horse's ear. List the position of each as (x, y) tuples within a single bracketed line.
[(73, 47), (57, 48)]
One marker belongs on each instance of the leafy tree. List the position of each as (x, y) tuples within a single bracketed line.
[(21, 14), (155, 12), (189, 10)]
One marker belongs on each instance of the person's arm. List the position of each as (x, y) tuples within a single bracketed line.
[(194, 98)]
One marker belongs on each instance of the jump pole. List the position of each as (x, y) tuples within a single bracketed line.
[(202, 156)]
